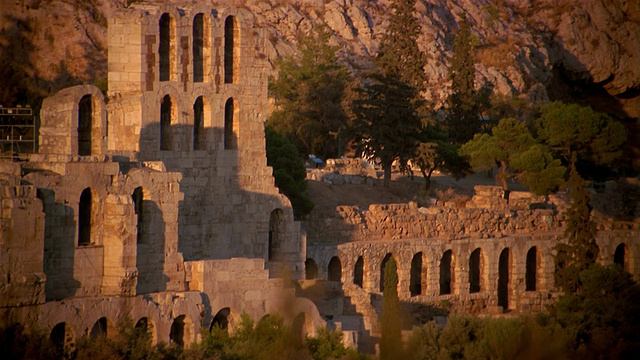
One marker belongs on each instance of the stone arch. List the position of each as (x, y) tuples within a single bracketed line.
[(384, 262), (167, 49), (198, 123), (230, 114), (621, 257), (181, 333), (531, 271), (200, 47), (447, 272), (504, 278), (477, 271), (222, 320), (231, 50), (147, 325), (85, 217), (63, 339), (168, 116), (310, 269), (85, 125), (334, 269), (102, 328), (358, 272), (417, 275), (276, 236)]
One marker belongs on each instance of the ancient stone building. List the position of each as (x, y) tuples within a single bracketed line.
[(155, 202)]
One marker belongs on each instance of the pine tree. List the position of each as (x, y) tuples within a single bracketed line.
[(463, 105), (399, 54), (580, 251), (390, 340)]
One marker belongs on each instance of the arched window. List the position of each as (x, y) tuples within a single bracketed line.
[(181, 333), (358, 272), (221, 320), (231, 50), (165, 123), (198, 46), (504, 269), (147, 325), (85, 122), (446, 273), (415, 284), (276, 235), (63, 339), (310, 269), (334, 269), (474, 271), (138, 205), (85, 213), (103, 328), (229, 132), (531, 269), (164, 49), (198, 124), (382, 266)]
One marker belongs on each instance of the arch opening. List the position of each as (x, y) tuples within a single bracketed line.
[(229, 132), (63, 340), (102, 329), (166, 109), (85, 123), (334, 270), (358, 272), (310, 269), (198, 124), (165, 46), (198, 48), (384, 262), (531, 271), (446, 273), (415, 283), (619, 256), (181, 333), (85, 213), (146, 325), (221, 320), (475, 270), (231, 50), (504, 266)]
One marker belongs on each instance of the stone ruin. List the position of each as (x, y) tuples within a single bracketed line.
[(154, 202)]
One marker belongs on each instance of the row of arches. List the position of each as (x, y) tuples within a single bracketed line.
[(200, 58), (477, 272)]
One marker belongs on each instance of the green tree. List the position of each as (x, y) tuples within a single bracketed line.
[(465, 104), (310, 97), (515, 152), (436, 153), (390, 340), (288, 171), (399, 54), (580, 251), (387, 122), (578, 133)]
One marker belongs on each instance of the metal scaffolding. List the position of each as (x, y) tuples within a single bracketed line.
[(17, 133)]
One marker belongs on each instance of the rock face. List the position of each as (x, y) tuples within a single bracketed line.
[(539, 50)]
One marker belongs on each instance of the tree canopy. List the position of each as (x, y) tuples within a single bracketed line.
[(309, 97), (515, 152), (580, 135)]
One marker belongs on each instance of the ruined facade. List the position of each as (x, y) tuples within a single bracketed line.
[(155, 202)]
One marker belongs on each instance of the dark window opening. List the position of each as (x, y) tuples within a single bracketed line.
[(165, 123), (85, 122), (165, 47), (221, 320), (446, 273), (531, 269), (198, 45), (84, 221), (231, 38), (503, 279), (334, 269), (619, 256), (198, 124), (358, 272), (310, 269), (229, 134), (474, 272), (415, 284)]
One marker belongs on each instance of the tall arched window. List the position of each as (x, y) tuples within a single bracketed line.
[(415, 284), (230, 141), (164, 49), (474, 271), (334, 269), (138, 201), (198, 124), (504, 267), (198, 46), (358, 272), (446, 272), (84, 217), (531, 269), (165, 123), (85, 122), (231, 50), (276, 235), (310, 269)]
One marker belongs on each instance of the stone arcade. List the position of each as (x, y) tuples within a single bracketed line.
[(155, 203)]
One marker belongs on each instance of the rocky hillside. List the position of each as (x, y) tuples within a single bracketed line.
[(586, 51)]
